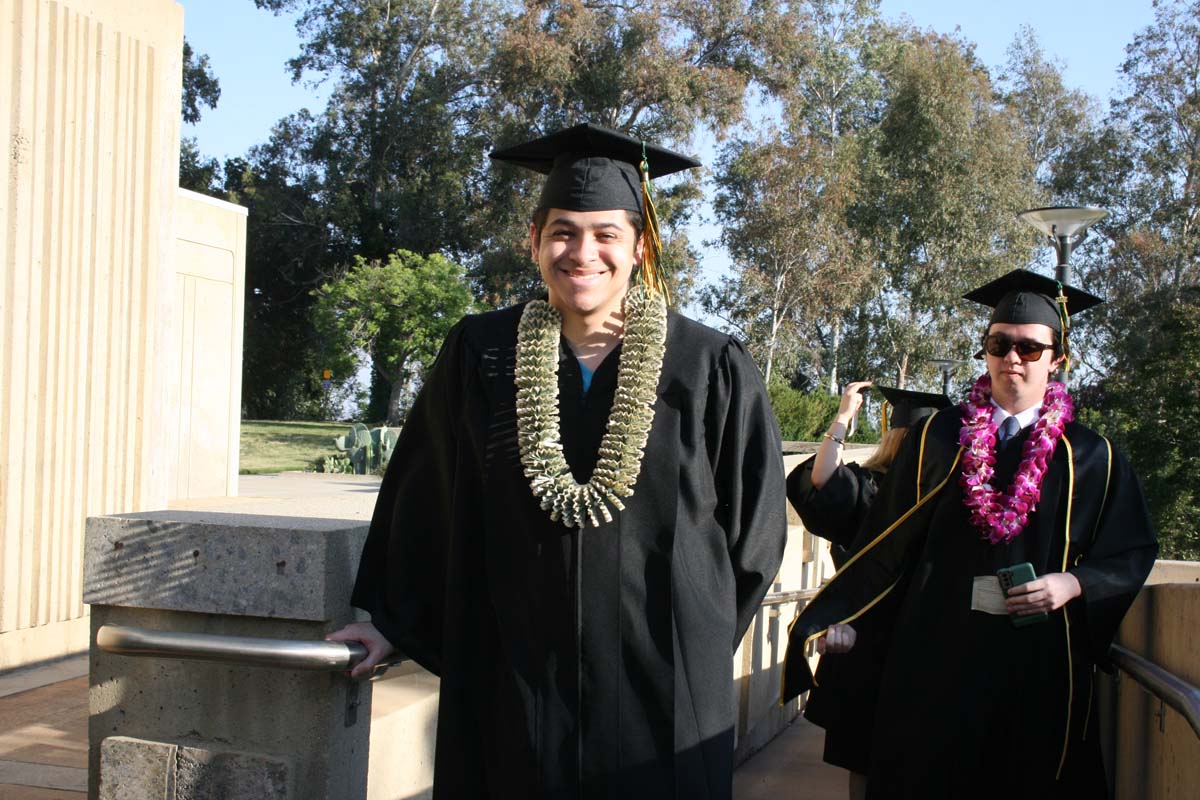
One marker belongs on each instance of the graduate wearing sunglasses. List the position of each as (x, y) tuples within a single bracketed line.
[(987, 690)]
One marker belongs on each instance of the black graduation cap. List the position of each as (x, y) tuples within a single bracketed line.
[(592, 168), (909, 406), (1022, 297)]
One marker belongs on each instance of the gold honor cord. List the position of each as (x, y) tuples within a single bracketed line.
[(783, 675), (1064, 318), (921, 456), (883, 422), (1066, 618), (874, 542), (651, 275)]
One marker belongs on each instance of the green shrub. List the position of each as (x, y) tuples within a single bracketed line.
[(805, 417), (337, 463)]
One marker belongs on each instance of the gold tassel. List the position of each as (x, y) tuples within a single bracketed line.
[(651, 275), (1064, 319), (883, 418)]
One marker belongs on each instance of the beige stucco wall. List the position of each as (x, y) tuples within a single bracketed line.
[(89, 121), (205, 359)]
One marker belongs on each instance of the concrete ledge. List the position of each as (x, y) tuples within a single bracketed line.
[(229, 564)]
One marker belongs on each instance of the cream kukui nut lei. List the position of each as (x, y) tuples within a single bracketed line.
[(621, 449)]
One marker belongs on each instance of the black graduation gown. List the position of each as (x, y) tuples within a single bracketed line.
[(971, 706), (844, 703), (579, 664)]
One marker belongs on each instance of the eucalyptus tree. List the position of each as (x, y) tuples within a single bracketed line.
[(782, 196), (1052, 117), (783, 210), (942, 179)]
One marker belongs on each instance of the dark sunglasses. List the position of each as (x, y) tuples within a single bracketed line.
[(997, 344)]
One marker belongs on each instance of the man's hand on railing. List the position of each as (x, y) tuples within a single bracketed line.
[(378, 647), (837, 639)]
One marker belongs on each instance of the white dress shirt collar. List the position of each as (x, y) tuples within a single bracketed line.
[(1025, 418)]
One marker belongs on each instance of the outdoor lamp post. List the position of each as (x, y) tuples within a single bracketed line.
[(946, 365), (1064, 228)]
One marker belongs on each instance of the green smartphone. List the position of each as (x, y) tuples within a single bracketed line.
[(1017, 575)]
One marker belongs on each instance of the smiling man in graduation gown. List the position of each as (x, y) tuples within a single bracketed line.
[(987, 694), (583, 513)]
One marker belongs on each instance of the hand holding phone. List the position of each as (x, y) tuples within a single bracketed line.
[(1017, 575)]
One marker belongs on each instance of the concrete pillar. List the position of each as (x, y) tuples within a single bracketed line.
[(186, 730)]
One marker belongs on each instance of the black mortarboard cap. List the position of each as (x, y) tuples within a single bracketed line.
[(909, 406), (592, 168), (1022, 297)]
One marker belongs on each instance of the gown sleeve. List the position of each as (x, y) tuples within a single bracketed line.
[(1118, 560), (836, 510), (893, 526), (747, 456), (402, 572)]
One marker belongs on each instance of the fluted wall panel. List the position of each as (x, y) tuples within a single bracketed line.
[(89, 118)]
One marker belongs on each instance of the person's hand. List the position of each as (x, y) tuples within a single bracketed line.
[(378, 647), (1047, 593), (837, 639), (852, 400)]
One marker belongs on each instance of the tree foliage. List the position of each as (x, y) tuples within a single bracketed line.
[(397, 311), (783, 210), (1142, 163), (1148, 404), (946, 172), (200, 86), (782, 197), (1051, 117)]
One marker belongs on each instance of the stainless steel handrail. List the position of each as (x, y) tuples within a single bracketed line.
[(1166, 686), (779, 598), (281, 653)]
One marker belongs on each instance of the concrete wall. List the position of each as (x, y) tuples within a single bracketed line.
[(89, 121), (120, 302)]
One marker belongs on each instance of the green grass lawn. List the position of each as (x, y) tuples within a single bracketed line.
[(280, 446)]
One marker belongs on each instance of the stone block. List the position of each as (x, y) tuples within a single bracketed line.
[(219, 563), (131, 769), (138, 769)]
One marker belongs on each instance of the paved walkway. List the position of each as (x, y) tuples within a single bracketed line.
[(43, 732), (44, 710)]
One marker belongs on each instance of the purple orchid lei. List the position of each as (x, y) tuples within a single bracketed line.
[(1000, 517)]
